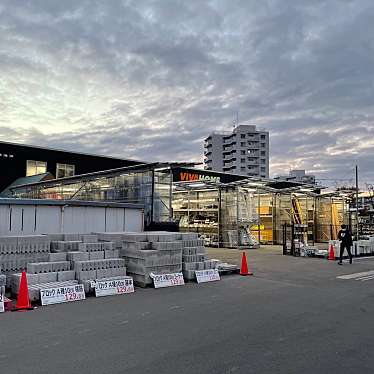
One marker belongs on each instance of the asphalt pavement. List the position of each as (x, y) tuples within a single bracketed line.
[(293, 316)]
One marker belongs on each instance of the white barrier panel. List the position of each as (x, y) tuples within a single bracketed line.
[(65, 294), (2, 308), (209, 275), (113, 287), (167, 280)]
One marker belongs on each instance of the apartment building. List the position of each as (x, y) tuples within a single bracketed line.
[(244, 151)]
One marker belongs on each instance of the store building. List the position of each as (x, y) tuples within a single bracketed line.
[(25, 162), (244, 151), (226, 209)]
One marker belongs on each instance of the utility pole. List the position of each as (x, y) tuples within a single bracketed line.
[(357, 224)]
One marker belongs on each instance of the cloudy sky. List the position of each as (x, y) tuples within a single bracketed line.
[(150, 79)]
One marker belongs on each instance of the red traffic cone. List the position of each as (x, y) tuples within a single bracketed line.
[(331, 253), (23, 300), (244, 267)]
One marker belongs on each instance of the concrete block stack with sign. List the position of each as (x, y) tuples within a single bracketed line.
[(194, 256), (151, 253), (74, 258), (41, 275), (90, 258), (17, 251)]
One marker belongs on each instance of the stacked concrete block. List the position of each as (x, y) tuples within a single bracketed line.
[(151, 252), (194, 256), (17, 251), (68, 237), (77, 256), (58, 256), (47, 267), (90, 238), (15, 280), (65, 246), (87, 270)]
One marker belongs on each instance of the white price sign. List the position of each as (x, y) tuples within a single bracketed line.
[(167, 280), (114, 287), (209, 275), (65, 294), (2, 308)]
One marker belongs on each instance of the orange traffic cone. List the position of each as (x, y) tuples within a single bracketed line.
[(331, 253), (244, 267), (23, 300)]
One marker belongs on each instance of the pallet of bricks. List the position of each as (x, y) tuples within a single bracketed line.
[(17, 251), (90, 258), (58, 260), (158, 252)]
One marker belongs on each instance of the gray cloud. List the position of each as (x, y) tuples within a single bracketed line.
[(150, 79)]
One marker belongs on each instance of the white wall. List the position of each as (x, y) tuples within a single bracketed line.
[(43, 219)]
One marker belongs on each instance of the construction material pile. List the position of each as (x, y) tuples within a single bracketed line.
[(17, 251), (74, 258)]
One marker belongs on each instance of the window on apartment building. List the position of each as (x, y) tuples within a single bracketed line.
[(242, 169), (64, 170), (242, 160), (263, 137), (242, 152), (262, 161), (263, 153), (242, 136), (35, 167), (262, 145), (263, 170), (242, 144)]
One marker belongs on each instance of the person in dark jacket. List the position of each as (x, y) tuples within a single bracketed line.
[(345, 237)]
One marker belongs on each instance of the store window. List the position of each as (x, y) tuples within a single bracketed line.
[(65, 170), (35, 167)]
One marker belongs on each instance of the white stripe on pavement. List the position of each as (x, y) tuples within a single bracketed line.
[(366, 278), (356, 275)]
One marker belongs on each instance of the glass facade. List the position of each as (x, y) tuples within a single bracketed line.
[(234, 214)]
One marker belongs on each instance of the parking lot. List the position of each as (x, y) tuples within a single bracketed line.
[(293, 316)]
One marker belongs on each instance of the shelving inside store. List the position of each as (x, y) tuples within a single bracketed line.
[(198, 211)]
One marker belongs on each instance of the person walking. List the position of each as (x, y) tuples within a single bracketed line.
[(345, 237)]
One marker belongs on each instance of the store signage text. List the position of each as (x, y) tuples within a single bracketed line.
[(167, 280), (209, 275), (113, 287), (194, 177), (59, 295)]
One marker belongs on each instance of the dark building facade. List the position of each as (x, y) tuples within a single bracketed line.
[(19, 161)]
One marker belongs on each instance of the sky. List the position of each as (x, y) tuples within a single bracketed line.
[(151, 79)]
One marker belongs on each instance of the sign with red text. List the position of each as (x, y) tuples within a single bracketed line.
[(114, 287), (63, 294), (167, 280), (209, 275)]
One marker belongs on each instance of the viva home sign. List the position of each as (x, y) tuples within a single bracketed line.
[(194, 177)]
